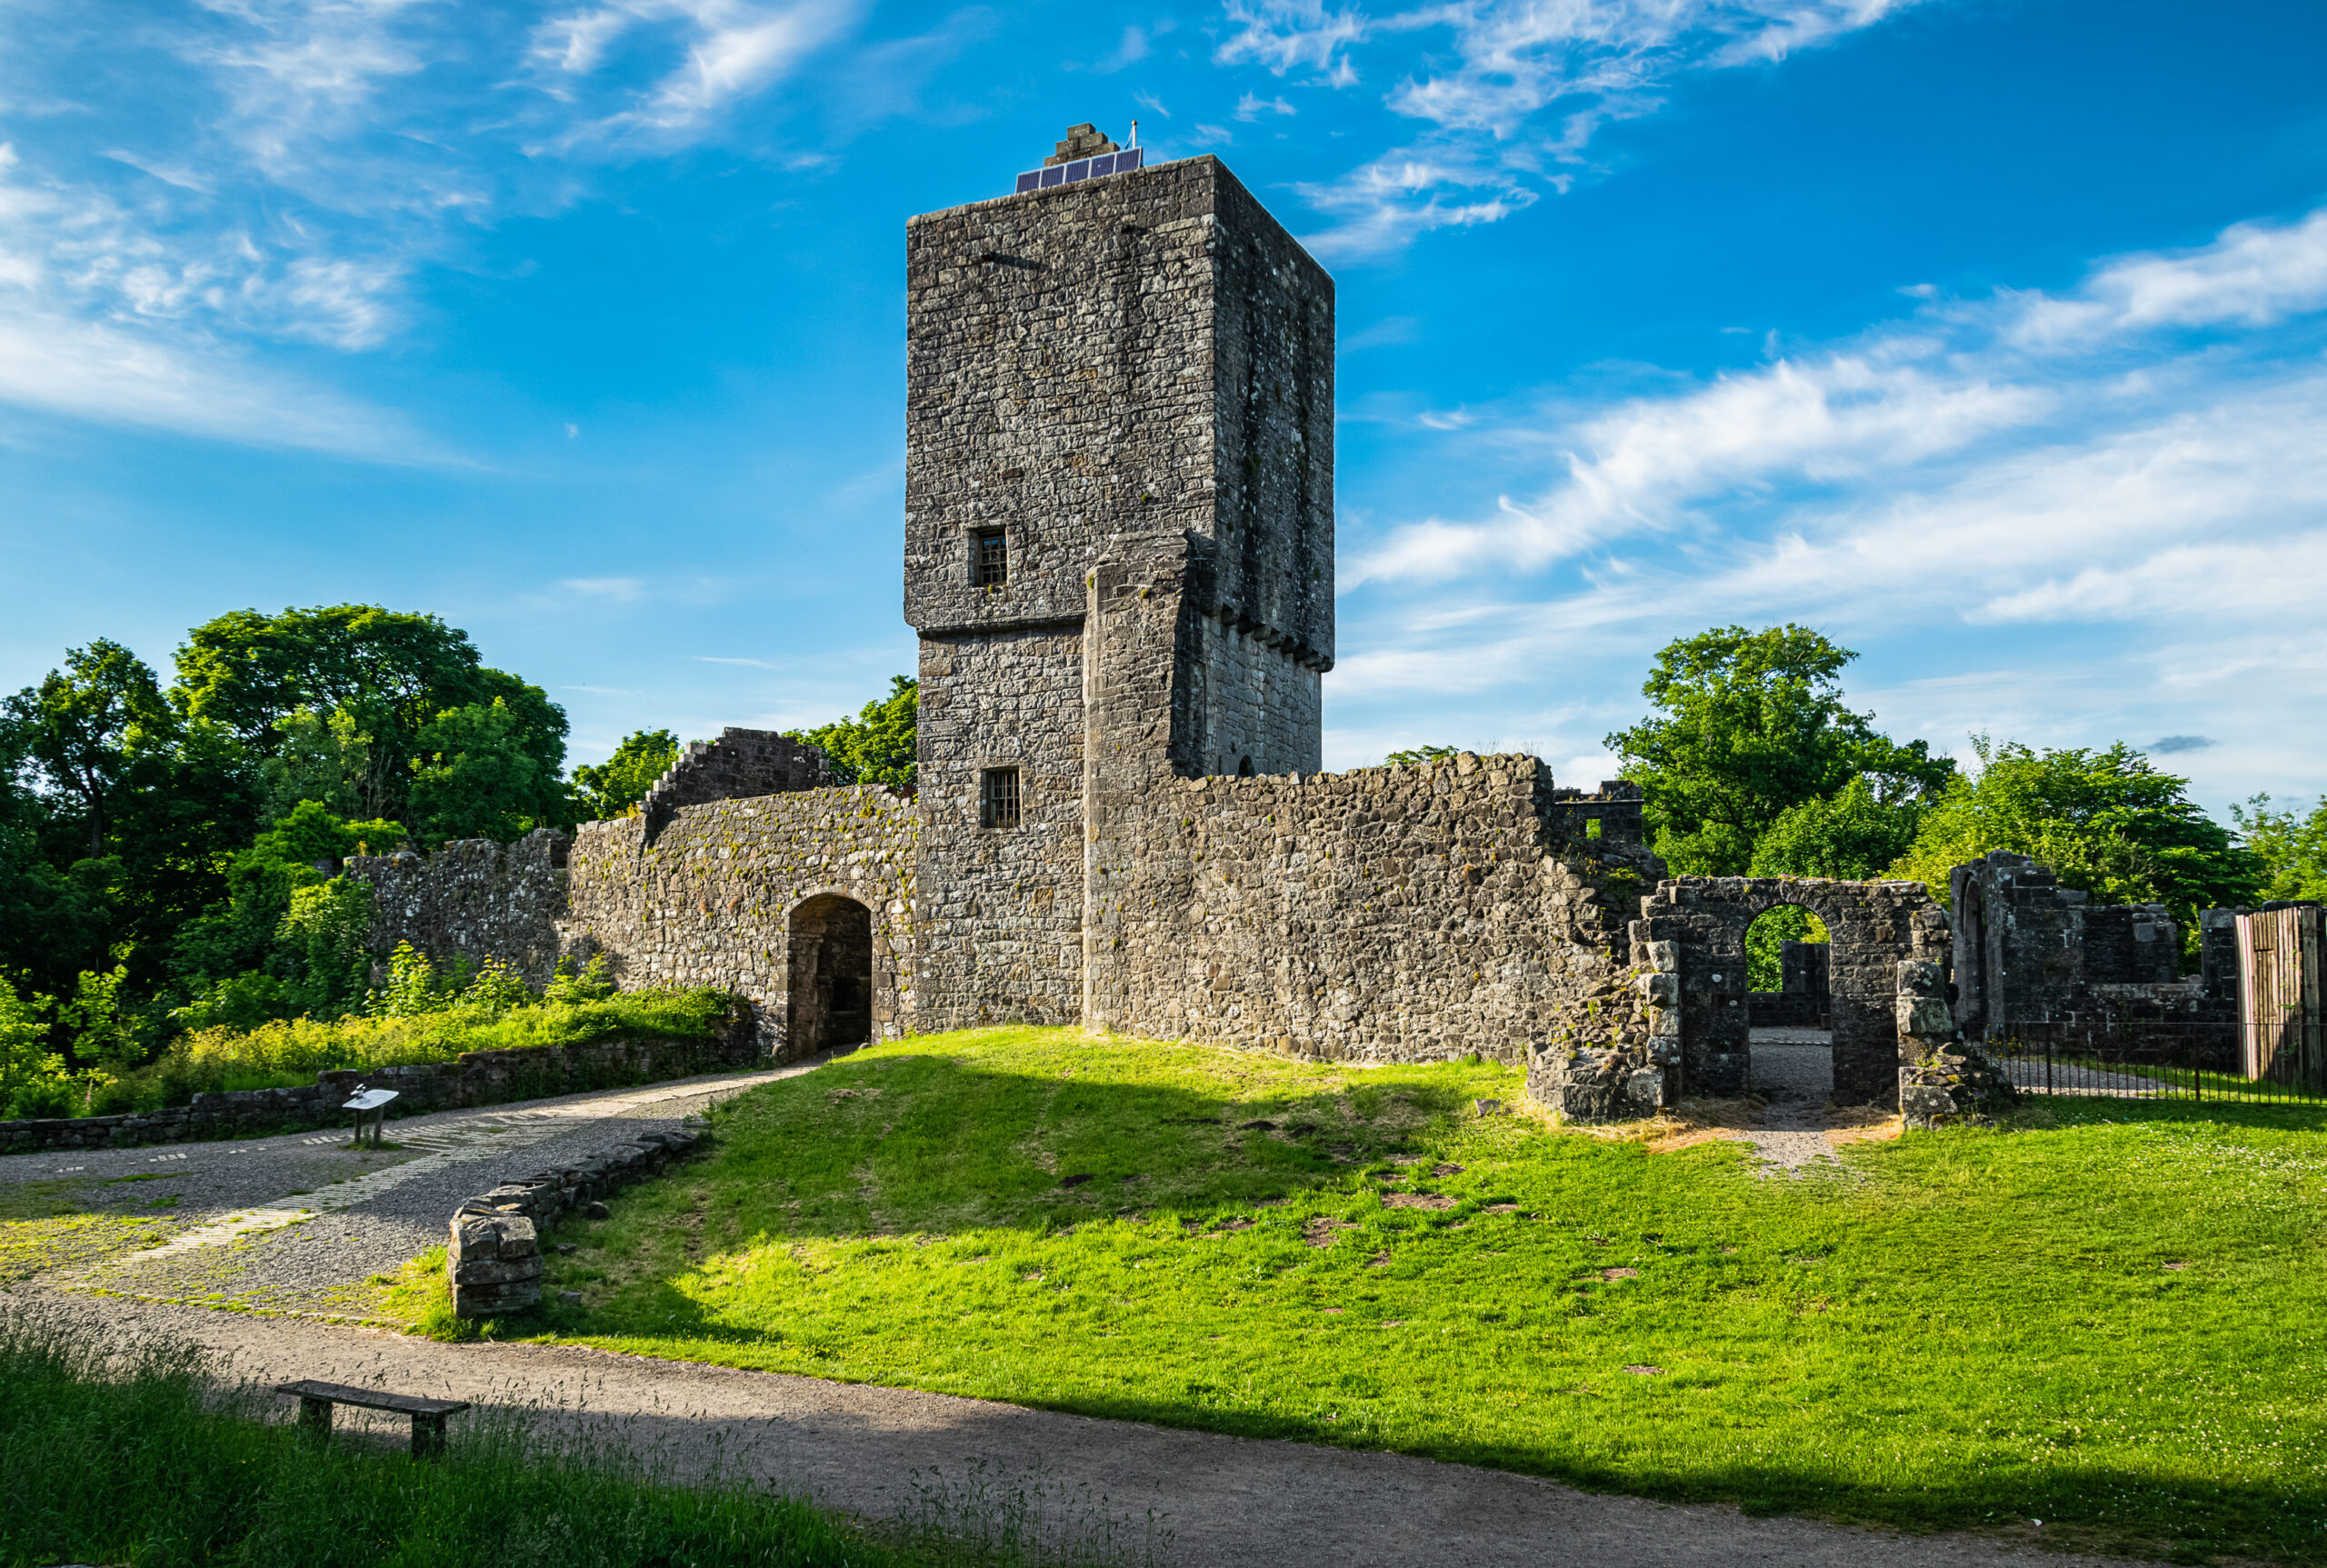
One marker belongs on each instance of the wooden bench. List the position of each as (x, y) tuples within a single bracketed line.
[(315, 1400)]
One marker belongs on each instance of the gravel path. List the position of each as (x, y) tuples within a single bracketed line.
[(300, 1223), (1224, 1500)]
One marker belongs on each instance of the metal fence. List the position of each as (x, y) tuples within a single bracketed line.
[(2137, 1059)]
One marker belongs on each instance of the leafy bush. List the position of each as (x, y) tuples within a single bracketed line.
[(479, 1017)]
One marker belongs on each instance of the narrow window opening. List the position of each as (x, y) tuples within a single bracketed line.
[(989, 559), (1591, 828), (998, 798)]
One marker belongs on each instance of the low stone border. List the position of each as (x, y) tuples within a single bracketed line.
[(472, 1078), (493, 1261)]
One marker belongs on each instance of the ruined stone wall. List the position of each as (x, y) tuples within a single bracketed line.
[(709, 902), (474, 897), (2132, 944), (739, 763), (1873, 926), (1403, 914)]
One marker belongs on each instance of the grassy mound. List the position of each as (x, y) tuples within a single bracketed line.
[(2111, 1323)]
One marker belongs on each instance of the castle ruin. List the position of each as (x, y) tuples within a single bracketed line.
[(1118, 557)]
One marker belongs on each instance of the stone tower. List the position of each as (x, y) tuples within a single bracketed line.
[(1119, 546)]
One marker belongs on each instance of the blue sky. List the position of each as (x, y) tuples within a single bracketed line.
[(1988, 337)]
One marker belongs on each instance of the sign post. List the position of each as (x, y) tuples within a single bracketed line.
[(372, 1103)]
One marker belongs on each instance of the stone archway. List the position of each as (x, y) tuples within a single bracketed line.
[(1871, 928), (829, 994)]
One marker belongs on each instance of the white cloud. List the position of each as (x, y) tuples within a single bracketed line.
[(2253, 275), (1933, 390), (1573, 65), (1384, 206), (92, 371), (1287, 35), (300, 161), (1251, 106), (2118, 530)]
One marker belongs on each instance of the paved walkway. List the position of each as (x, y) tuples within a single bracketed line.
[(1224, 1500), (300, 1223)]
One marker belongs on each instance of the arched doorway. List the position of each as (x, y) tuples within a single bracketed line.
[(1788, 1004), (831, 976), (1875, 926)]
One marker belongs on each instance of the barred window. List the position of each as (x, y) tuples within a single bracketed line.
[(998, 798), (989, 559)]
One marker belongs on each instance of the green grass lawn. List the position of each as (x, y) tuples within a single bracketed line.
[(2110, 1321)]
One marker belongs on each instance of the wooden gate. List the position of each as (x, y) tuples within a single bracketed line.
[(2279, 996)]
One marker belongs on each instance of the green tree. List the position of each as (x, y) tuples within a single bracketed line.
[(1748, 724), (2107, 822), (2291, 848), (82, 726), (374, 680), (1853, 834), (611, 788), (25, 1059), (282, 940), (479, 777), (103, 1023), (880, 744)]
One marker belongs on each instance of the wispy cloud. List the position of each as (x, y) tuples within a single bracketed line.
[(1932, 390), (1518, 88), (2139, 450), (268, 172)]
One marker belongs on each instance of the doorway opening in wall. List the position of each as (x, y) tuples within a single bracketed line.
[(1787, 982), (830, 1001), (1244, 768)]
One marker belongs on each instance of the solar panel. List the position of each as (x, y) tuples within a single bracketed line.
[(1073, 174)]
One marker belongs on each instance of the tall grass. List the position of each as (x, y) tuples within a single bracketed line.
[(138, 1456), (293, 1050)]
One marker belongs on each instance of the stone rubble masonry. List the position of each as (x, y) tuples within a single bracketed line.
[(493, 1261), (474, 897), (2028, 950), (494, 1265), (473, 1078), (1621, 1058), (739, 763), (1126, 376), (1082, 141), (1942, 1081), (712, 899), (1390, 915), (1872, 927)]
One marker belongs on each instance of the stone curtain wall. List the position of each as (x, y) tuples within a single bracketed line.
[(1874, 926), (740, 762), (1390, 915), (473, 897), (708, 901)]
